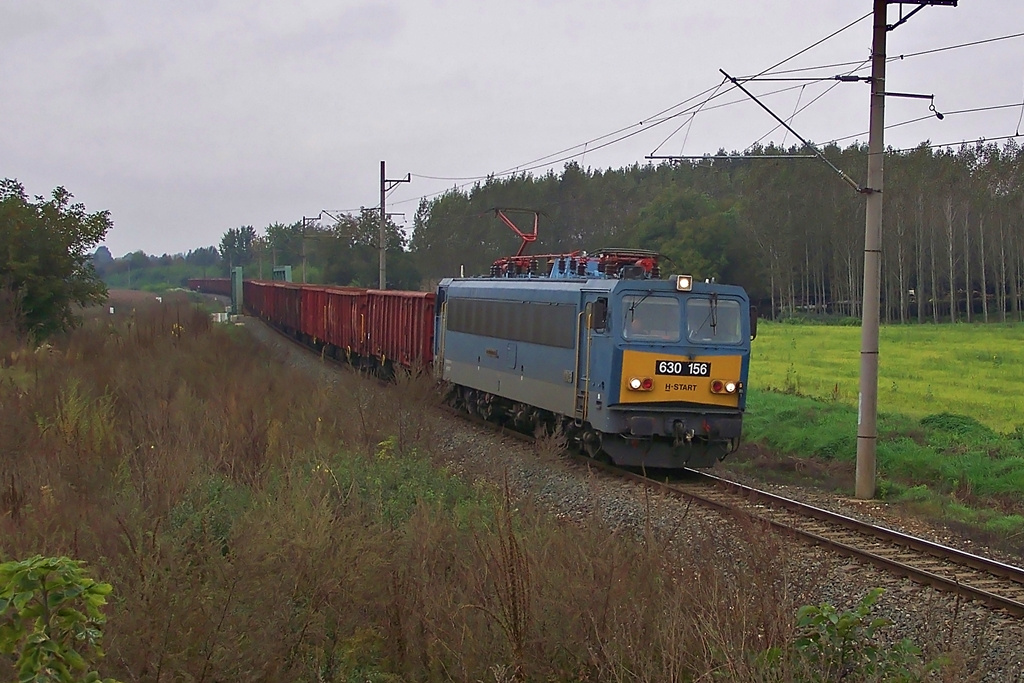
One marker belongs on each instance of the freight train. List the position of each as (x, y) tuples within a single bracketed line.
[(633, 368)]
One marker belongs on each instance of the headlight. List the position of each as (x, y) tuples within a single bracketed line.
[(722, 386), (684, 283), (640, 384)]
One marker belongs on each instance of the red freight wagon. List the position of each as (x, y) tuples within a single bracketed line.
[(279, 303), (401, 326), (254, 298), (335, 315)]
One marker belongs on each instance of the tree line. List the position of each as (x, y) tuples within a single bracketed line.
[(340, 249), (788, 230)]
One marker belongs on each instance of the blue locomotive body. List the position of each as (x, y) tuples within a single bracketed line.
[(643, 372)]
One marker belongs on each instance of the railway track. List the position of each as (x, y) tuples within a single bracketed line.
[(998, 585)]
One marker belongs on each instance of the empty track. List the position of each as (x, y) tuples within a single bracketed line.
[(998, 585)]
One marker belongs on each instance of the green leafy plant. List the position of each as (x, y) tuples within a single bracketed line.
[(838, 644), (50, 619)]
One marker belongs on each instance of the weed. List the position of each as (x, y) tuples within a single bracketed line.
[(792, 382), (834, 645)]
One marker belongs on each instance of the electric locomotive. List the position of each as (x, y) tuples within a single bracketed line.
[(632, 368)]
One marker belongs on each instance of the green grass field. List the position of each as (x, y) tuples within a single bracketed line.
[(950, 429), (975, 370)]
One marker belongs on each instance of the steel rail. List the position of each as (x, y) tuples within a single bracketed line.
[(937, 550), (895, 539)]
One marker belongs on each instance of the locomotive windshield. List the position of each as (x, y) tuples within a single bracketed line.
[(650, 318), (713, 320)]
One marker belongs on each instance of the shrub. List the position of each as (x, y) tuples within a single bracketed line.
[(51, 619)]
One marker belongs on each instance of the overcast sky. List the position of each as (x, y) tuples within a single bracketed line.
[(186, 118)]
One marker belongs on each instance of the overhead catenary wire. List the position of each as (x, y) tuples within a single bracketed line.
[(703, 106), (890, 58), (820, 95), (653, 120), (846, 178), (954, 112), (533, 165), (692, 115), (862, 65), (777, 64), (796, 110), (951, 145)]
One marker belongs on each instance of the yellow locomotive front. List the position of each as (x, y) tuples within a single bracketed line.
[(658, 377), (666, 373)]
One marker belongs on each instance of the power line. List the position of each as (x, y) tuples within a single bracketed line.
[(690, 120), (548, 161), (979, 141), (931, 116), (814, 45), (827, 91), (956, 47), (1021, 117), (533, 165), (862, 65), (653, 120), (890, 58)]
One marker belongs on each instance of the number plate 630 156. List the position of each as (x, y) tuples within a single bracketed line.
[(682, 368)]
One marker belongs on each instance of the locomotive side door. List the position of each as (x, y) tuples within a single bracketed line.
[(591, 351), (440, 327)]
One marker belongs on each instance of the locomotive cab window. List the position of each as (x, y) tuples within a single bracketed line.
[(713, 320), (598, 314), (650, 318)]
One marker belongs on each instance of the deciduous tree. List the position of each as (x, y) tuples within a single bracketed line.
[(45, 249)]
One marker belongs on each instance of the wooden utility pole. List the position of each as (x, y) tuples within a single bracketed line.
[(385, 185)]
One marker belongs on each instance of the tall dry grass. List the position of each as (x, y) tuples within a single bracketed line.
[(259, 525)]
